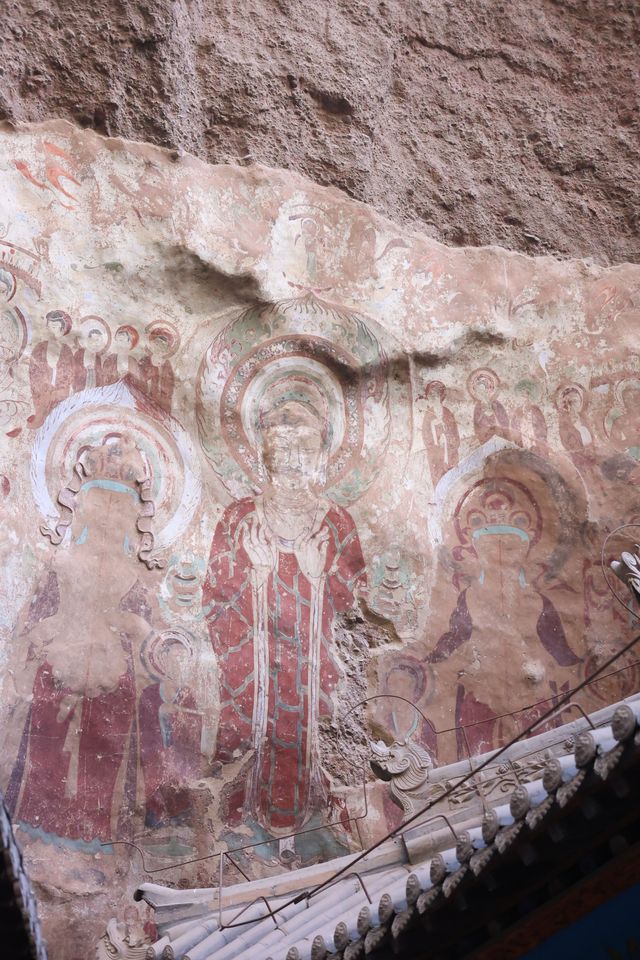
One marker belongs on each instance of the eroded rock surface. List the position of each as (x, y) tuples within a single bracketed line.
[(483, 123)]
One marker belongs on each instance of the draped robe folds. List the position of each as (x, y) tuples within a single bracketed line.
[(170, 752), (274, 643), (479, 719), (49, 385), (73, 753), (87, 374), (158, 381)]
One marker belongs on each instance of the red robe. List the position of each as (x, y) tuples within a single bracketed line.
[(81, 378), (73, 757), (44, 392), (271, 695), (479, 720), (110, 372), (170, 734), (158, 381), (490, 419)]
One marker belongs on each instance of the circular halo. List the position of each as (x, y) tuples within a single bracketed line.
[(91, 323), (330, 356), (156, 327), (89, 416), (18, 333), (529, 387), (155, 647), (294, 380), (623, 385), (571, 388), (8, 281), (482, 373)]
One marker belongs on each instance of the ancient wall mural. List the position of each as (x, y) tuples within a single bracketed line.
[(266, 457)]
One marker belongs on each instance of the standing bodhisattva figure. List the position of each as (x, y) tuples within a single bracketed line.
[(282, 566)]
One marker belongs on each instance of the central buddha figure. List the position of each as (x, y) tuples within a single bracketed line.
[(283, 564)]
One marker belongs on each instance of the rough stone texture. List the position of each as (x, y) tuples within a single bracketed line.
[(480, 123), (266, 454)]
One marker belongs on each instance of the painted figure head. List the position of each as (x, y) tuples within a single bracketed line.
[(126, 338), (294, 446), (93, 505), (500, 520), (570, 399), (163, 340), (435, 392), (626, 394), (528, 390), (96, 339), (483, 384), (58, 324), (94, 334)]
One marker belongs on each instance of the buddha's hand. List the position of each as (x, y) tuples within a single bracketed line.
[(311, 553), (259, 550)]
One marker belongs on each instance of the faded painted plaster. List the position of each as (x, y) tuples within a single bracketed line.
[(266, 454)]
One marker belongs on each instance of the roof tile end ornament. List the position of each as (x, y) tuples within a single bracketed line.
[(627, 569)]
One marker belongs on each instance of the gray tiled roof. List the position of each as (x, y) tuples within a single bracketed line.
[(339, 921)]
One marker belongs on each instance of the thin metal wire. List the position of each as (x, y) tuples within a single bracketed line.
[(448, 792), (246, 846), (532, 726), (574, 705), (429, 805), (269, 914), (352, 873), (356, 820), (562, 703), (441, 816)]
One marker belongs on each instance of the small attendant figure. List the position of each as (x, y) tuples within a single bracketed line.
[(489, 416), (51, 368), (575, 434), (155, 367), (528, 422), (122, 363), (171, 727), (440, 432), (506, 641), (94, 340)]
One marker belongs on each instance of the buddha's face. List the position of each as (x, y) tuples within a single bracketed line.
[(293, 449), (111, 513)]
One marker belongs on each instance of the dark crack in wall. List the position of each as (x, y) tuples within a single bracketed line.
[(490, 122)]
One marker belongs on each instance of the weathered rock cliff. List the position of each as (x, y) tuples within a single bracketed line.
[(484, 123)]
